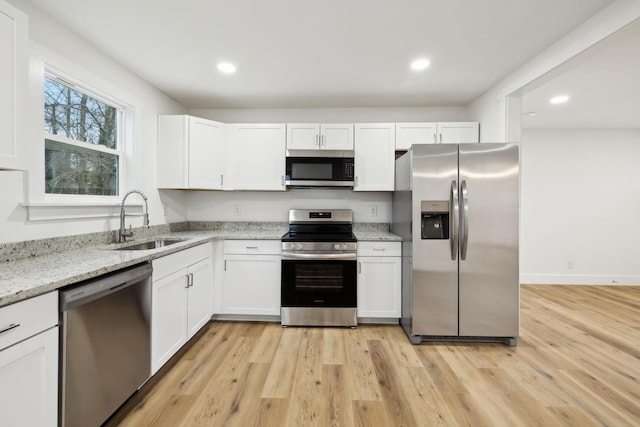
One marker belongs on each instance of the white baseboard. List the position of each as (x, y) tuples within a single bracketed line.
[(579, 279)]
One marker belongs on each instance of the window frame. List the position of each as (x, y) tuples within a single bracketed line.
[(124, 119)]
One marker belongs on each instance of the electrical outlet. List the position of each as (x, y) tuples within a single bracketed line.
[(236, 210), (373, 211)]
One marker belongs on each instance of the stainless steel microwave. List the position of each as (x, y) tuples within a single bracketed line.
[(304, 172)]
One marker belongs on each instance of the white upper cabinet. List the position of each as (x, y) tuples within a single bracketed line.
[(191, 153), (257, 159), (374, 156), (14, 46), (458, 132), (311, 136), (408, 134)]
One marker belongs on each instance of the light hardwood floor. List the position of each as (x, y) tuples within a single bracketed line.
[(577, 363)]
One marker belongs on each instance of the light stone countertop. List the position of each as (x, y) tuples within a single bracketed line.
[(29, 277), (377, 235)]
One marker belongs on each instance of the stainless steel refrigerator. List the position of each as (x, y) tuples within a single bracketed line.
[(456, 207)]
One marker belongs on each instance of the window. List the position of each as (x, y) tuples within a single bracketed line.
[(83, 141)]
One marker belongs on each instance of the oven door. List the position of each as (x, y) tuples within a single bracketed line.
[(319, 283)]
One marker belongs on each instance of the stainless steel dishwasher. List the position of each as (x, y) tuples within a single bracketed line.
[(105, 344)]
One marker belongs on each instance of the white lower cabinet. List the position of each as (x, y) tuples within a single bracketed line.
[(29, 367), (379, 280), (251, 277), (182, 300)]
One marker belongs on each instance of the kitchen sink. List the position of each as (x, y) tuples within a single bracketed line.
[(153, 244)]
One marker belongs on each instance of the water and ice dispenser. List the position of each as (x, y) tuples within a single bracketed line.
[(434, 219)]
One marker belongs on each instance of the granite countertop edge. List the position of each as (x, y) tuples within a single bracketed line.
[(27, 278)]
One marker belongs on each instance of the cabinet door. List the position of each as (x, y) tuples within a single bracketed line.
[(303, 136), (379, 287), (337, 136), (29, 381), (207, 154), (200, 295), (258, 159), (168, 317), (375, 146), (408, 134), (458, 132), (251, 285), (173, 152), (14, 47), (191, 153)]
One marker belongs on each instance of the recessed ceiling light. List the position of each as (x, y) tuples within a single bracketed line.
[(531, 114), (226, 67), (560, 99), (420, 64)]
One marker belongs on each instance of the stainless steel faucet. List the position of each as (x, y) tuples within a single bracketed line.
[(123, 233)]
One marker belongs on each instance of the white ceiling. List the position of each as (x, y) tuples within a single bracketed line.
[(603, 84), (330, 53)]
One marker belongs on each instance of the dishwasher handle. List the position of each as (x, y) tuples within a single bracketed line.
[(93, 289)]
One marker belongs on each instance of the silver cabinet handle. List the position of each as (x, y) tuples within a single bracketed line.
[(186, 280), (221, 180), (440, 138), (251, 247), (322, 143), (190, 279), (464, 219), (435, 140), (454, 210), (10, 327), (225, 265), (379, 249)]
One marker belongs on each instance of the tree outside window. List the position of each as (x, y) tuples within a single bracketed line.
[(82, 147)]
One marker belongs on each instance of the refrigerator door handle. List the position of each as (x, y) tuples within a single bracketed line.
[(464, 219), (453, 219)]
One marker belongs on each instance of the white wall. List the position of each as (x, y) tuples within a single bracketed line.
[(580, 205), (274, 206), (55, 45), (334, 115), (492, 109)]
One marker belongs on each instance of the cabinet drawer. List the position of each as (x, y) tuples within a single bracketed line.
[(166, 265), (31, 316), (252, 247), (379, 249)]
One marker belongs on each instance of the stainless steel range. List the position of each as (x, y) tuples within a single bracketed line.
[(319, 282)]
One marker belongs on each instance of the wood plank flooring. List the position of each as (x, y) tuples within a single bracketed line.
[(577, 363)]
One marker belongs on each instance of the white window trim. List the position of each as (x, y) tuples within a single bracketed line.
[(41, 206)]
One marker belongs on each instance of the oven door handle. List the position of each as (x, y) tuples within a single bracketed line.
[(320, 257)]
